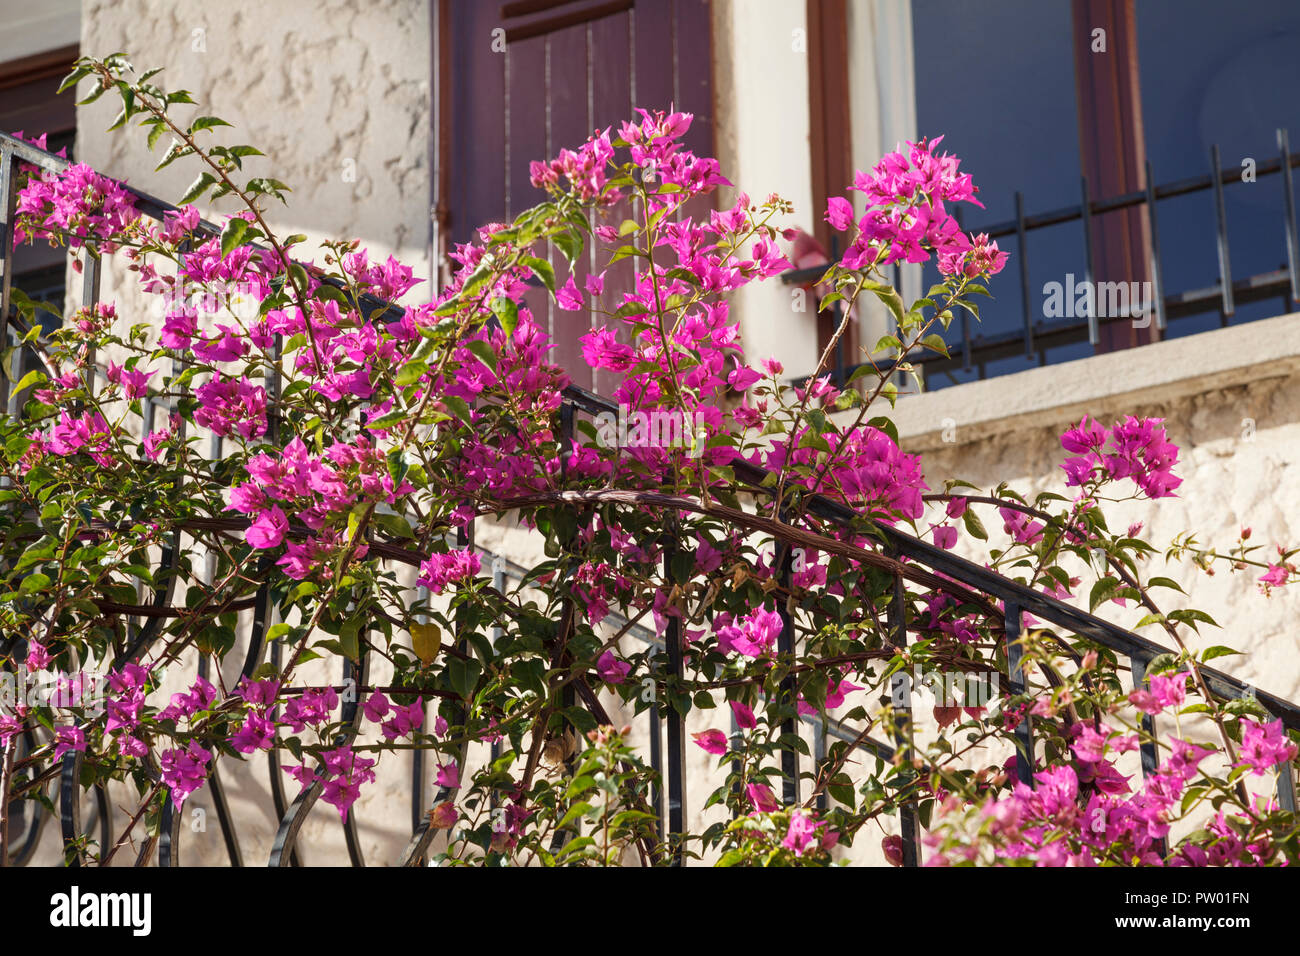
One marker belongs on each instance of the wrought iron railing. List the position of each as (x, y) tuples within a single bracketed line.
[(975, 350), (905, 557)]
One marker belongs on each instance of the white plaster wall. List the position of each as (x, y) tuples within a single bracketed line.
[(336, 93), (31, 28), (761, 88)]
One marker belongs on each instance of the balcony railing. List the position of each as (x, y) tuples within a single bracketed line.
[(975, 350), (906, 558)]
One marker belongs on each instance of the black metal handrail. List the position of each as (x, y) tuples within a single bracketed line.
[(1035, 337), (956, 572)]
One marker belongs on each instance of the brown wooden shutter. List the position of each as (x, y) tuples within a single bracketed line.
[(568, 68), (1112, 152), (830, 141)]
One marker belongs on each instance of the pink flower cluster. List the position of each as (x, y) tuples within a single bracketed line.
[(1135, 448), (320, 490), (78, 203), (404, 719), (229, 405), (753, 636), (441, 569), (86, 432), (1085, 813), (906, 219), (184, 770), (343, 772)]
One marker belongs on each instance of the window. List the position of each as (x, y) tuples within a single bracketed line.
[(1022, 93), (518, 82)]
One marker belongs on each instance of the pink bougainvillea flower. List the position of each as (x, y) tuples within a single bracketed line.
[(448, 776), (184, 770), (1264, 746), (839, 213), (1276, 576), (744, 715), (443, 816), (712, 741), (802, 833), (945, 536), (893, 849), (376, 707), (611, 669), (568, 297), (267, 531), (761, 797), (444, 568), (256, 733), (69, 738)]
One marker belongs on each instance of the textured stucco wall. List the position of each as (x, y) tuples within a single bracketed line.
[(336, 93), (1239, 460)]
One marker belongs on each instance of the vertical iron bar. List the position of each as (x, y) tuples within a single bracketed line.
[(901, 694), (89, 299), (1138, 668), (1094, 325), (676, 732), (819, 755), (1024, 274), (1150, 758), (1288, 195), (417, 755), (1286, 797), (789, 688), (8, 202), (1221, 221), (499, 583), (1157, 270), (656, 765), (1016, 672)]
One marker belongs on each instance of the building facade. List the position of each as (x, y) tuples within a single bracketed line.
[(408, 123)]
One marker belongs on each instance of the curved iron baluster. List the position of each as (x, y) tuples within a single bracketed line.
[(286, 837), (351, 715), (33, 830), (149, 630), (70, 805), (278, 803), (169, 833), (105, 808)]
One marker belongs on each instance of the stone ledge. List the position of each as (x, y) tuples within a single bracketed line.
[(1114, 383)]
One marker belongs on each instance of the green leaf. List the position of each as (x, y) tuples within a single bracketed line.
[(206, 122), (1102, 590), (34, 582), (232, 235), (936, 343), (542, 269), (1218, 650), (974, 526), (507, 312), (1191, 616), (458, 407), (463, 674), (887, 295), (484, 353), (410, 373), (34, 377), (197, 188), (394, 524), (1159, 582), (387, 421)]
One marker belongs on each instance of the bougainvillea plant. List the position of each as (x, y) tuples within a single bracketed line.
[(360, 439)]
